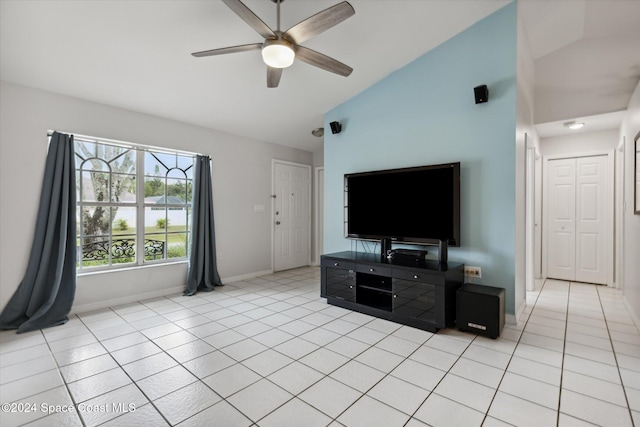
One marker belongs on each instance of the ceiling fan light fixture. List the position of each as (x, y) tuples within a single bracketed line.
[(280, 49), (278, 53)]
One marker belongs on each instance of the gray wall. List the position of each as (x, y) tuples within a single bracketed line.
[(241, 179)]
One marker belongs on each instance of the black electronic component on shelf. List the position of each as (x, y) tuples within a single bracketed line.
[(408, 256)]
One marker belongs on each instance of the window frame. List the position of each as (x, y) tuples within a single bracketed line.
[(139, 204)]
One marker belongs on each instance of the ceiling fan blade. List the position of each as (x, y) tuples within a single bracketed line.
[(250, 18), (273, 76), (319, 60), (319, 22), (232, 49)]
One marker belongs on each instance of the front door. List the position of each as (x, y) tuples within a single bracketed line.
[(292, 215)]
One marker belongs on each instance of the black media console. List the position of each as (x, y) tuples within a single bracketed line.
[(419, 294)]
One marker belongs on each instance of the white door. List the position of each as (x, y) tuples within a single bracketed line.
[(292, 225), (578, 219), (561, 225), (591, 219)]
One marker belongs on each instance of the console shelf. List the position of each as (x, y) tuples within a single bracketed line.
[(374, 288), (421, 294)]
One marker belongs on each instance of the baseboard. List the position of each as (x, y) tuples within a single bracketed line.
[(246, 276), (632, 313), (512, 319), (126, 300), (156, 294)]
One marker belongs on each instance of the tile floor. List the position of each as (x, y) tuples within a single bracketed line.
[(270, 352)]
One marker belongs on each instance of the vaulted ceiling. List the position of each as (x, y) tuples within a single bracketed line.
[(587, 60), (136, 55)]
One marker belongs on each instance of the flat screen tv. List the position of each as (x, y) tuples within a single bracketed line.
[(418, 205)]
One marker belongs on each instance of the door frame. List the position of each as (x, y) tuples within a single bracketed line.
[(619, 212), (531, 182), (609, 255), (318, 225), (273, 205)]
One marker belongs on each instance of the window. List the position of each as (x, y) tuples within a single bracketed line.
[(134, 204), (168, 184)]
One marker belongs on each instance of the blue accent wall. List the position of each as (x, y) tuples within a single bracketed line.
[(425, 113)]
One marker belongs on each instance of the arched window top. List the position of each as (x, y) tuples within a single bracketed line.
[(176, 173), (94, 164), (167, 164), (119, 157)]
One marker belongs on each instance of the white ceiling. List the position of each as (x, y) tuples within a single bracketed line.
[(136, 55), (587, 60)]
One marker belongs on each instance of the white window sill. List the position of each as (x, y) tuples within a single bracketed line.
[(133, 267)]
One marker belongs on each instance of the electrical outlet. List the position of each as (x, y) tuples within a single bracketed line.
[(473, 271)]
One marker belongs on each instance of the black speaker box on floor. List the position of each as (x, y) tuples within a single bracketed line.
[(480, 309)]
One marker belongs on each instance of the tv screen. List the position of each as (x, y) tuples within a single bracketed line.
[(410, 205)]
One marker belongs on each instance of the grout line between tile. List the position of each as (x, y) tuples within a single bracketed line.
[(615, 356), (506, 368)]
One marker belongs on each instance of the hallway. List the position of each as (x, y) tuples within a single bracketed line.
[(587, 352)]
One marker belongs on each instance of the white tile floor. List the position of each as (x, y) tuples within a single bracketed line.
[(270, 352)]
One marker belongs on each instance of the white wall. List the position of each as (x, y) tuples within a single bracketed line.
[(525, 134), (241, 179), (581, 142), (318, 157), (631, 250)]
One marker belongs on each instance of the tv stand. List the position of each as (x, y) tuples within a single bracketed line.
[(419, 294)]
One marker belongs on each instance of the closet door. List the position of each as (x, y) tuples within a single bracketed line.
[(577, 219), (561, 224), (591, 223)]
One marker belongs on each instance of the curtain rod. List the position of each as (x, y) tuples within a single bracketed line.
[(133, 145)]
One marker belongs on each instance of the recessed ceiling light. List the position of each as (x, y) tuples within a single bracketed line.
[(318, 132), (574, 125)]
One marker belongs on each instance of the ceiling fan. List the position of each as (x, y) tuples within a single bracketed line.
[(279, 49)]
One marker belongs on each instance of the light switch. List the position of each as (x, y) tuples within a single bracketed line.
[(259, 208)]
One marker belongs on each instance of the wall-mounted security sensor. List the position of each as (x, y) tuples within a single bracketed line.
[(481, 93), (336, 127)]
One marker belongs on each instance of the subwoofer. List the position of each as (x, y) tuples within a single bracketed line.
[(480, 309)]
